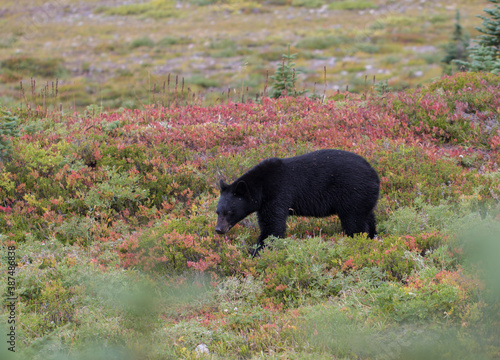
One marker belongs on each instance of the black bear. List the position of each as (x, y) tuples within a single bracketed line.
[(318, 184)]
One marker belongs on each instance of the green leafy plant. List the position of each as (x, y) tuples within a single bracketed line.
[(382, 87), (8, 128), (284, 78)]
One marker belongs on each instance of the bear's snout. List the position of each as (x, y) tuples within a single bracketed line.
[(219, 230), (222, 226)]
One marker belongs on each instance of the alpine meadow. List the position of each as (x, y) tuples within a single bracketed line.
[(123, 122)]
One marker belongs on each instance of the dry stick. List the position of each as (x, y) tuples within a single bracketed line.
[(364, 92), (293, 82), (163, 94), (55, 94), (23, 96), (373, 85), (53, 90), (21, 93), (242, 93), (324, 82), (265, 86), (154, 92), (168, 90), (175, 93), (33, 93), (47, 93), (100, 91), (182, 89), (43, 95)]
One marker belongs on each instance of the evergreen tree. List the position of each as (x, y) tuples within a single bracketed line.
[(457, 48), (284, 77), (486, 56), (491, 27), (8, 129)]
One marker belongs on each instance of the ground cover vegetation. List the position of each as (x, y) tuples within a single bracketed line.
[(125, 54), (113, 213)]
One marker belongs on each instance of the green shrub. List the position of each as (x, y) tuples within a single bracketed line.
[(352, 5), (28, 66), (76, 229), (140, 42), (321, 42), (389, 253), (204, 2), (367, 48), (308, 3), (167, 41), (176, 245), (234, 292), (156, 9), (410, 304), (203, 81), (333, 332), (116, 192), (294, 270), (8, 128), (424, 217)]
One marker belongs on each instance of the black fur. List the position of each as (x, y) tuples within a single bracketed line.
[(318, 184)]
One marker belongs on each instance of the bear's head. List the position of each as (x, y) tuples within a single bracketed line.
[(235, 203)]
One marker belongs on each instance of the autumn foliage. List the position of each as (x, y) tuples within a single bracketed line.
[(137, 190)]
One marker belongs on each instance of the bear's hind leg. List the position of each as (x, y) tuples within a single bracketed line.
[(372, 228), (354, 224)]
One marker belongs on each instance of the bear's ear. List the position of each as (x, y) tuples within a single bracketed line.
[(241, 189), (222, 185)]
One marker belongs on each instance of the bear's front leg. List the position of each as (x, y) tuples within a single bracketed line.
[(271, 222)]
